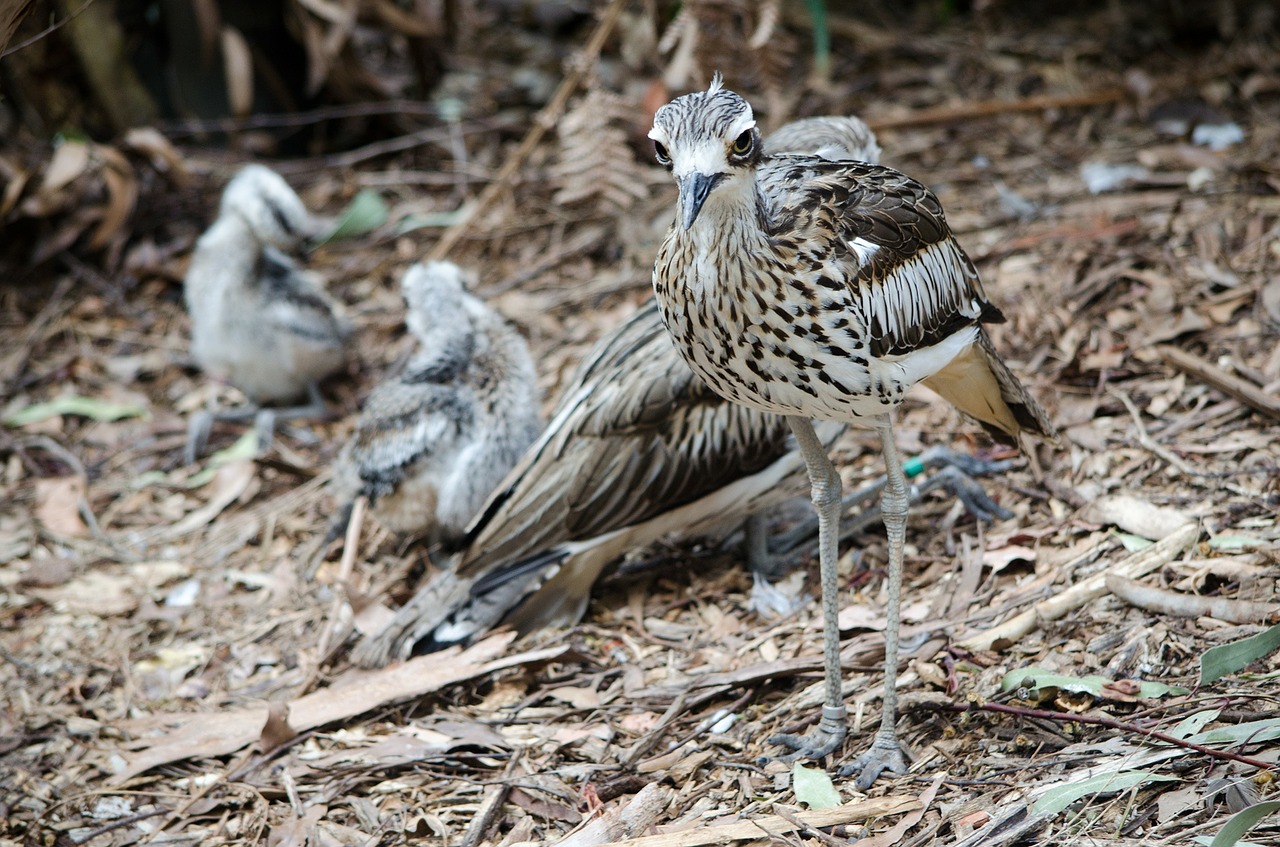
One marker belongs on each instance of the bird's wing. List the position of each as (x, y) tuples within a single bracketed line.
[(401, 424), (295, 303), (885, 241), (637, 434)]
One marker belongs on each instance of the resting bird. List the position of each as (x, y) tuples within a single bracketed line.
[(818, 289), (432, 442), (259, 321), (637, 449)]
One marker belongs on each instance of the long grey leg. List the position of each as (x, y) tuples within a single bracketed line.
[(825, 489), (886, 753)]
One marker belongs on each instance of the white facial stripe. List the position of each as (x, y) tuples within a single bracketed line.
[(707, 158)]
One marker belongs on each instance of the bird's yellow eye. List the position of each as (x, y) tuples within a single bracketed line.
[(742, 144), (660, 153)]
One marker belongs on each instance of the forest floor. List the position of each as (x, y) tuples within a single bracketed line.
[(171, 671)]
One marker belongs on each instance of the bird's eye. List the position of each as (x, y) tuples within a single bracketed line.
[(742, 144), (661, 154)]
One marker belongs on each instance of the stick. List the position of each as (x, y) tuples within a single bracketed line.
[(750, 830), (544, 121), (1230, 384), (1139, 564), (1178, 604)]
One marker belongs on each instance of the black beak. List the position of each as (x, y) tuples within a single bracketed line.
[(694, 190)]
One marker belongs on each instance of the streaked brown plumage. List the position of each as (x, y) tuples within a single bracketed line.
[(824, 289), (638, 448), (433, 441)]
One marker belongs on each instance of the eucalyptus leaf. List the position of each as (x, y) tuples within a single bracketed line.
[(813, 787), (1037, 679), (1226, 659), (1243, 821), (366, 212), (1056, 799), (1253, 732), (75, 404)]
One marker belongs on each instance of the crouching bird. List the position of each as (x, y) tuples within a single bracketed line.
[(817, 289), (258, 320), (434, 440)]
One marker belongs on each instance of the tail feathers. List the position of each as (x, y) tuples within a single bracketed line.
[(415, 622), (980, 384)]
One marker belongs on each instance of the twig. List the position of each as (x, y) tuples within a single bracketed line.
[(1230, 384), (48, 30), (1145, 439), (1139, 564), (494, 796), (1109, 723), (1178, 604), (990, 108), (544, 121), (749, 830)]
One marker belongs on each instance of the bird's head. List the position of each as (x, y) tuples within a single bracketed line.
[(435, 294), (709, 142), (272, 210)]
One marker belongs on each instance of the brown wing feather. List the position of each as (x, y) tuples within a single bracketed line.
[(637, 435)]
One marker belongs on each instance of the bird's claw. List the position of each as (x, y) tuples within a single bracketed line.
[(975, 499), (884, 755), (823, 741)]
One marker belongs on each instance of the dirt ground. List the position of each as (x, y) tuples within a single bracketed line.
[(174, 670)]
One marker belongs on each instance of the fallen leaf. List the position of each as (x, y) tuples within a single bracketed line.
[(97, 593), (276, 730), (57, 505), (1136, 515)]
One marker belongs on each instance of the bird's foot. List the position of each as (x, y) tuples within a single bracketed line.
[(264, 427), (823, 741), (198, 430), (885, 755), (970, 493)]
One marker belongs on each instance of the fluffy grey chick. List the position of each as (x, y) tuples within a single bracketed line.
[(258, 320), (433, 442)]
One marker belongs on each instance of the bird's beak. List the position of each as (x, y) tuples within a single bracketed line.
[(694, 190)]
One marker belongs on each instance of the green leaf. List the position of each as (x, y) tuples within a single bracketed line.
[(1253, 732), (1038, 679), (432, 220), (245, 448), (1226, 659), (1056, 799), (1193, 723), (1235, 543), (1243, 821), (813, 787), (75, 404), (1133, 543), (366, 212)]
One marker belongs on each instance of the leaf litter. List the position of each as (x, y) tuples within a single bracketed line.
[(162, 638)]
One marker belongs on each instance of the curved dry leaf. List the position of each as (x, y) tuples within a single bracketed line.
[(16, 179), (68, 162), (405, 22), (122, 196), (57, 505), (237, 66), (164, 157)]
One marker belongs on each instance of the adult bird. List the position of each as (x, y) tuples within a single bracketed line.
[(819, 289), (636, 450), (434, 440), (258, 320)]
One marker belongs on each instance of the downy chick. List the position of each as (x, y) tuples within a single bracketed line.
[(433, 442), (258, 320)]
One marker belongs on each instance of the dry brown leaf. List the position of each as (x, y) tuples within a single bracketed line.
[(69, 161), (122, 196), (97, 593), (220, 733), (160, 152), (230, 482), (276, 729), (237, 67), (58, 502), (1136, 515)]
